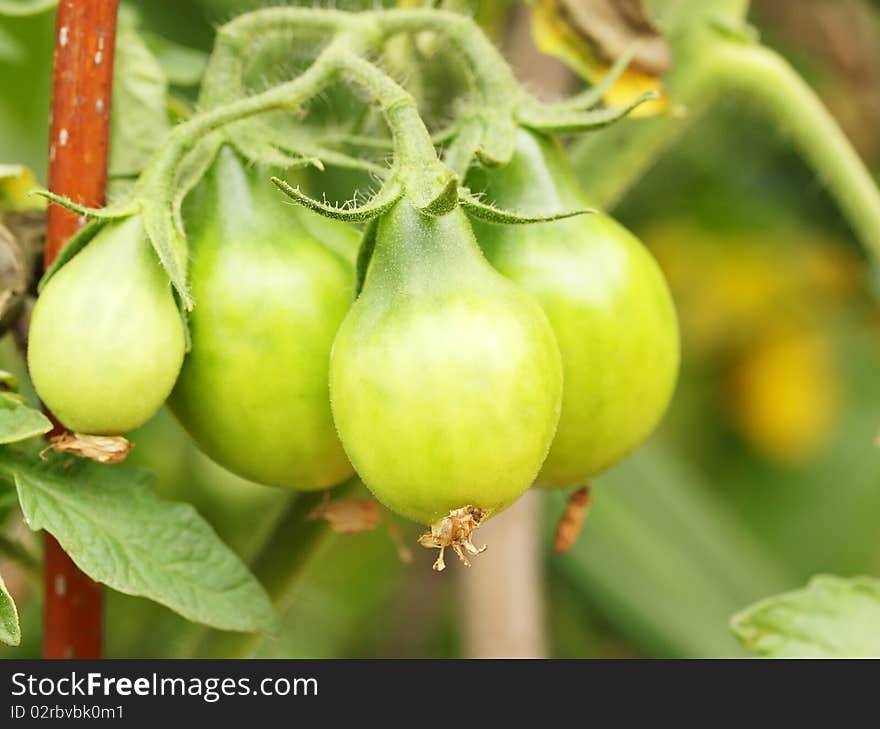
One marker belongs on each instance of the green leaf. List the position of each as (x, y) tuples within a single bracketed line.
[(549, 118), (25, 7), (182, 66), (162, 223), (139, 121), (491, 214), (114, 211), (380, 203), (10, 631), (832, 617), (117, 531), (18, 421)]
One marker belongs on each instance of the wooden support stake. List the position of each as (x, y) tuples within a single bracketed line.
[(85, 35)]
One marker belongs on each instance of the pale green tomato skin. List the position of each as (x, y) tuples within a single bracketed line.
[(609, 306), (253, 391), (106, 340), (445, 378)]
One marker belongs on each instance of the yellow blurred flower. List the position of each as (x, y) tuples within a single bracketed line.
[(784, 395), (759, 309)]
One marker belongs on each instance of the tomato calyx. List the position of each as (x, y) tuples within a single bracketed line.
[(454, 530)]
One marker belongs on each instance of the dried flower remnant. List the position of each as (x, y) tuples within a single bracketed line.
[(348, 516), (354, 516), (101, 448), (572, 520), (454, 531)]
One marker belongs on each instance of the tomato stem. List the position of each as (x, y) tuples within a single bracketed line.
[(429, 184), (717, 63), (767, 77), (498, 94)]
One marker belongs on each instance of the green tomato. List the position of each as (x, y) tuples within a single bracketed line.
[(445, 378), (106, 339), (269, 298), (606, 299)]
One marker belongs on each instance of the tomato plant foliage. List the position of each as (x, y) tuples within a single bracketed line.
[(831, 617), (463, 327), (114, 527)]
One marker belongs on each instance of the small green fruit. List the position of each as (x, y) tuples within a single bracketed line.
[(606, 299), (269, 297), (106, 340), (445, 378)]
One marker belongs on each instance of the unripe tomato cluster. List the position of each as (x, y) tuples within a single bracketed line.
[(477, 360)]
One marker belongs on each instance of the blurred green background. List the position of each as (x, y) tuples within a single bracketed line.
[(764, 472)]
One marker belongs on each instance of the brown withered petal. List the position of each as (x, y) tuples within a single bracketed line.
[(569, 526), (101, 448), (610, 27), (348, 516)]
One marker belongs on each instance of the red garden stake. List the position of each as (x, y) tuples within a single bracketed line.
[(85, 34)]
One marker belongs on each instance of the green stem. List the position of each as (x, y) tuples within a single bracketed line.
[(413, 145), (767, 77), (159, 179), (609, 163), (430, 185), (280, 565), (224, 76), (460, 152), (493, 77), (497, 93)]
